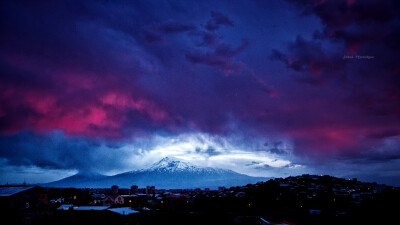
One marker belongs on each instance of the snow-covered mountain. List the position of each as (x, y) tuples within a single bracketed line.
[(167, 173), (170, 165)]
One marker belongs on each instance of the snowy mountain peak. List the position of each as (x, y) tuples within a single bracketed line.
[(171, 164)]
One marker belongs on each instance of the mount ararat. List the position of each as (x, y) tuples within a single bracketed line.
[(167, 173)]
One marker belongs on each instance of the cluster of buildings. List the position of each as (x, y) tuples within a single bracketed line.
[(148, 196), (307, 187), (317, 193), (311, 192), (312, 185)]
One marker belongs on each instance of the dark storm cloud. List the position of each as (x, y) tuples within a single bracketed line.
[(56, 151), (217, 20), (174, 27), (276, 147), (220, 55), (52, 90), (310, 56), (117, 71), (156, 32), (363, 27), (368, 87), (340, 13), (81, 49)]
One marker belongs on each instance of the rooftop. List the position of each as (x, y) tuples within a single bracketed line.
[(8, 191), (65, 207), (123, 211), (91, 208)]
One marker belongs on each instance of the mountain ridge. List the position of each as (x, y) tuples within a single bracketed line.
[(167, 173)]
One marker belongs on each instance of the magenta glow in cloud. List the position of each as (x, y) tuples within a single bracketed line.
[(116, 72)]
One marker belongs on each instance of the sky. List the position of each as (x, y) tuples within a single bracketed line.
[(264, 88)]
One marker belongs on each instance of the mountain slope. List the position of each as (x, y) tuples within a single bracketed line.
[(79, 180), (167, 173)]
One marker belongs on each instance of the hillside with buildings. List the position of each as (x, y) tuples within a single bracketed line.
[(305, 199)]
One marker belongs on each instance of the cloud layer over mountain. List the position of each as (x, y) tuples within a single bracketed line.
[(309, 85)]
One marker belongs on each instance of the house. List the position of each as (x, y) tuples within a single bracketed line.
[(114, 189), (113, 199), (150, 190), (222, 188), (134, 189), (22, 204), (98, 196), (177, 195)]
